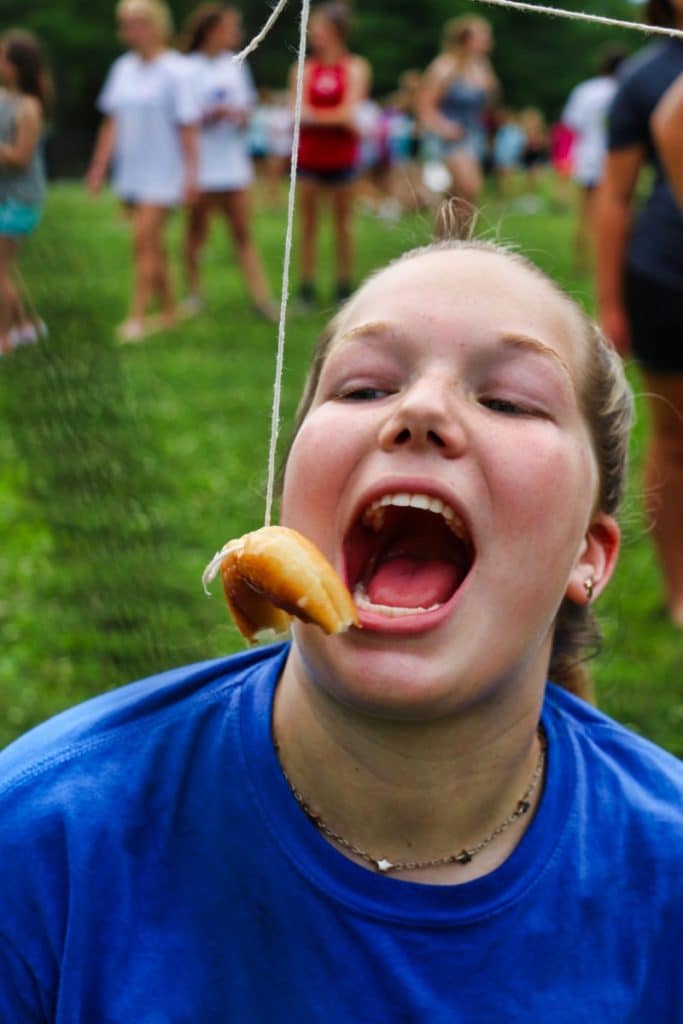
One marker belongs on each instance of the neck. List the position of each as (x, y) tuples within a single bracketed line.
[(407, 791), (151, 51), (330, 55)]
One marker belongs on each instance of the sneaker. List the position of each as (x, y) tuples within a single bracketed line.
[(343, 291), (131, 331), (306, 299), (191, 305), (27, 334), (267, 310)]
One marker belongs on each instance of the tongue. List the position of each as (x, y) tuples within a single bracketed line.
[(405, 582)]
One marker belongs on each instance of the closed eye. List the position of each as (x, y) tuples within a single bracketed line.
[(507, 407), (363, 394)]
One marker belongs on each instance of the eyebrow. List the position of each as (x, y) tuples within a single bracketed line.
[(530, 344), (524, 342)]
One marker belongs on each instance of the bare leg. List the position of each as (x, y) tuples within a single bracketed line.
[(309, 202), (236, 206), (196, 228), (466, 173), (664, 482), (342, 211), (10, 306), (152, 279)]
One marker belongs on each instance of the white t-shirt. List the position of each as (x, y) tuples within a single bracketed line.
[(149, 100), (224, 161), (586, 113)]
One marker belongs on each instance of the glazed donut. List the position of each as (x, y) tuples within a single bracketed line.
[(273, 574)]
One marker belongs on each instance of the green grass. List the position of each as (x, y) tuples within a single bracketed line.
[(122, 469)]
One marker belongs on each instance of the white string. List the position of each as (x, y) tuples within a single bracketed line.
[(260, 36), (279, 360), (582, 16)]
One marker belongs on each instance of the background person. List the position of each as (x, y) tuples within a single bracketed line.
[(640, 281), (456, 89), (667, 130), (336, 81), (224, 176), (399, 798), (149, 135), (585, 113), (24, 93)]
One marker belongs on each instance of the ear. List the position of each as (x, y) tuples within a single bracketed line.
[(596, 560)]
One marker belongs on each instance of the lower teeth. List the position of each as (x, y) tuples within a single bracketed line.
[(360, 596)]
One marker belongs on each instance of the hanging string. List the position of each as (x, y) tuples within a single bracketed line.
[(284, 292), (558, 12), (260, 36)]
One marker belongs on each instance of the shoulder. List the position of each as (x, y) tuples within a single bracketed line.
[(639, 68), (640, 780), (441, 68), (114, 736), (29, 110)]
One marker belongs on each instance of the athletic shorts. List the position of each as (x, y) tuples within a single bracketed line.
[(17, 219), (329, 176), (654, 314)]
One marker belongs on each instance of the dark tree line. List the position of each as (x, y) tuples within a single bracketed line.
[(538, 58)]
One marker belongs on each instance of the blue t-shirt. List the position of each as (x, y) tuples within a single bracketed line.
[(156, 869), (656, 244)]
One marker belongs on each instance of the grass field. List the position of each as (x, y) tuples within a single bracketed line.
[(122, 469)]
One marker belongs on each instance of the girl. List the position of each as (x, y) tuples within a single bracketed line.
[(149, 132), (456, 89), (640, 278), (335, 84), (403, 822), (227, 96), (23, 100)]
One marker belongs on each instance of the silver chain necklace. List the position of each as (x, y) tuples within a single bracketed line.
[(384, 866)]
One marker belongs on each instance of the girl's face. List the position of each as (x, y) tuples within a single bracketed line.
[(227, 34), (446, 471), (137, 31), (480, 39), (322, 34)]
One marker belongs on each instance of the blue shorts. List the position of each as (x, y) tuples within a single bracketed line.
[(17, 219), (473, 142), (330, 176)]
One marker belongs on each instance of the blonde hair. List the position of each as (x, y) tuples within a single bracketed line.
[(607, 406), (456, 31), (156, 12)]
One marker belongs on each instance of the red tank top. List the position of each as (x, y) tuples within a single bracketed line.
[(323, 147)]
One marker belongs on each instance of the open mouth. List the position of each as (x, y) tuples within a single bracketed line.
[(406, 554)]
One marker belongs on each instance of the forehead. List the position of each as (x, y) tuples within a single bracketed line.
[(473, 290)]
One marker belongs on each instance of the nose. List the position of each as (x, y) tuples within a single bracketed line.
[(426, 417)]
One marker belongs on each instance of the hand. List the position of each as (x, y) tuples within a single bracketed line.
[(94, 179), (453, 132), (615, 325)]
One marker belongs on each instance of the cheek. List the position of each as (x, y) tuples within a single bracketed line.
[(319, 462), (548, 490)]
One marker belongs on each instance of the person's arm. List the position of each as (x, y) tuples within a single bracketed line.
[(613, 219), (101, 157), (188, 142), (432, 88), (29, 124), (667, 131)]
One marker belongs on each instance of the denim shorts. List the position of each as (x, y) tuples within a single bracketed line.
[(17, 219)]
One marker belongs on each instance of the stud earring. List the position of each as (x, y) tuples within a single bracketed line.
[(588, 585)]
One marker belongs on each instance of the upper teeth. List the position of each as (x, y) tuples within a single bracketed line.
[(374, 513)]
